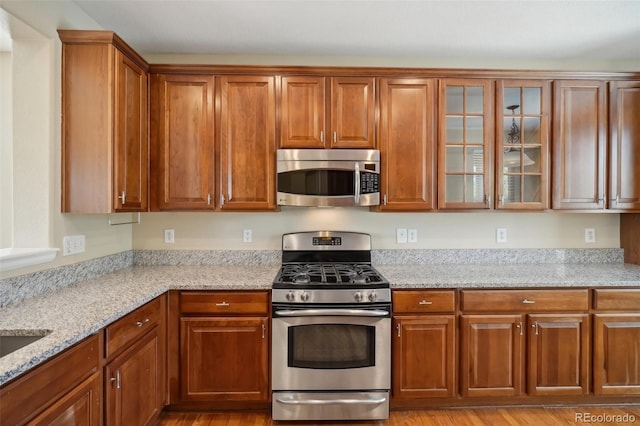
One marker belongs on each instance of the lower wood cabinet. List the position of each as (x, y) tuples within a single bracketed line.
[(616, 368), (222, 344), (224, 359), (547, 348), (63, 391), (134, 374), (423, 344)]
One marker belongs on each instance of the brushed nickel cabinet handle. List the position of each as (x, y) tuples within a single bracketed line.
[(528, 302), (122, 197), (116, 379), (223, 303), (143, 322), (425, 302)]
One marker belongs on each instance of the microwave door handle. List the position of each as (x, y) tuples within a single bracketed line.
[(356, 195)]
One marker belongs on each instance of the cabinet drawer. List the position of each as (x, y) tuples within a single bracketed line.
[(223, 303), (132, 326), (524, 300), (616, 299), (417, 301)]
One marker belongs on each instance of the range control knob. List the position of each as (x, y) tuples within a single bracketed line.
[(373, 296), (304, 296), (358, 296), (291, 296)]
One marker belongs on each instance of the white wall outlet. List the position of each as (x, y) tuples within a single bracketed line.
[(501, 235), (247, 235), (589, 235), (169, 236), (401, 235), (412, 235), (73, 244)]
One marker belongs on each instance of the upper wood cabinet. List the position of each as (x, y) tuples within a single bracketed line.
[(327, 112), (522, 144), (182, 142), (407, 143), (247, 143), (105, 141), (579, 144), (624, 165), (465, 144)]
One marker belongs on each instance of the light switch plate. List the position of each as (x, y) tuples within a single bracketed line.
[(589, 235), (412, 235), (501, 235), (169, 236)]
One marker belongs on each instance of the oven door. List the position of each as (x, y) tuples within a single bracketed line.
[(331, 349)]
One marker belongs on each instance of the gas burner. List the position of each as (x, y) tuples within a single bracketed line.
[(301, 278)]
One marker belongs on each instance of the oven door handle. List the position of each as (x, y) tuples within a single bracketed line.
[(369, 401), (333, 312)]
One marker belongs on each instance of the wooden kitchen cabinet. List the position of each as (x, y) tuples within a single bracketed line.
[(134, 375), (222, 339), (63, 391), (465, 144), (105, 141), (407, 141), (624, 164), (183, 166), (579, 144), (247, 143), (327, 112), (424, 327), (523, 110), (509, 336), (616, 341)]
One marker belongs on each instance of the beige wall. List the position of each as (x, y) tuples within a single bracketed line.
[(435, 230)]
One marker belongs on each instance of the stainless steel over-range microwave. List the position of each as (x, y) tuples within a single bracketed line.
[(328, 177)]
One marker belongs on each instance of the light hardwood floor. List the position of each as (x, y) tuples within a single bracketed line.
[(547, 416)]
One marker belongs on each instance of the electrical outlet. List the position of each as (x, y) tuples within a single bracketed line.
[(73, 244), (501, 235), (589, 235), (169, 236), (412, 235), (247, 235), (401, 235)]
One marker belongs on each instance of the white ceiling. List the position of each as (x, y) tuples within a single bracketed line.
[(514, 29)]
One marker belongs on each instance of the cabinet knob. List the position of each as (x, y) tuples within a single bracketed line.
[(143, 322)]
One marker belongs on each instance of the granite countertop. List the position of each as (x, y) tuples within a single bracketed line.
[(79, 310)]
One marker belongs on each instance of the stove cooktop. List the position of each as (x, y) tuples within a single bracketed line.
[(323, 275)]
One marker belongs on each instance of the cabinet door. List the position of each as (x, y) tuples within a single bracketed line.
[(616, 370), (182, 140), (131, 143), (624, 167), (491, 355), (302, 116), (559, 348), (420, 338), (133, 384), (579, 144), (81, 406), (465, 144), (247, 143), (224, 359), (352, 112), (522, 136), (407, 143)]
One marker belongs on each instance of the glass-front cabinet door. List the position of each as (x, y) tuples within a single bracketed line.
[(522, 135), (465, 143)]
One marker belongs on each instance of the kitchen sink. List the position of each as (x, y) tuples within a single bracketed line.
[(12, 340)]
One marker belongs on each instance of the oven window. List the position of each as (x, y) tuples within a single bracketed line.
[(319, 182), (331, 346)]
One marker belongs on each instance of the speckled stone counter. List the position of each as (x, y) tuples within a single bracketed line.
[(81, 309)]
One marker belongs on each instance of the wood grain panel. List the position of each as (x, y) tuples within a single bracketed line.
[(132, 326), (617, 299), (352, 112), (423, 301), (630, 237), (407, 144), (532, 300), (302, 114), (224, 303)]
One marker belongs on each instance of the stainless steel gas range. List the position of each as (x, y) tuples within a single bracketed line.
[(331, 331)]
